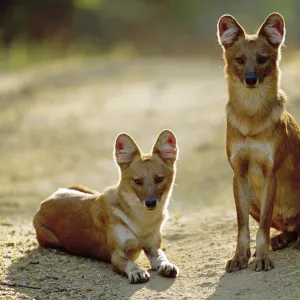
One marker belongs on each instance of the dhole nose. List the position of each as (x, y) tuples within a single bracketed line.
[(151, 203), (250, 79)]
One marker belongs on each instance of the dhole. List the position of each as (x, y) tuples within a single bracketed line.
[(127, 218), (263, 140)]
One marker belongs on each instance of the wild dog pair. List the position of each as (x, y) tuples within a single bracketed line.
[(127, 218), (263, 148), (263, 140)]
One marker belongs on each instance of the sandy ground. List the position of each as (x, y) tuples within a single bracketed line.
[(57, 127)]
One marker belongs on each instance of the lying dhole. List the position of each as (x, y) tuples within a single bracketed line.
[(127, 218)]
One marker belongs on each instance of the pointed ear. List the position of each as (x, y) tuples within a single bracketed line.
[(229, 31), (166, 146), (273, 29), (125, 149)]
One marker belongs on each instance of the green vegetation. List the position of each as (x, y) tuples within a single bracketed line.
[(46, 29)]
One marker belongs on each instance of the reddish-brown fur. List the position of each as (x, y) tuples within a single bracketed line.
[(263, 141), (117, 225)]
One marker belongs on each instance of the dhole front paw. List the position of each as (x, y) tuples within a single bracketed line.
[(282, 240), (279, 241), (236, 265), (297, 244), (138, 276), (167, 269), (263, 265)]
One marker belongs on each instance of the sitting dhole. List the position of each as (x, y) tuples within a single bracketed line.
[(263, 140), (127, 218)]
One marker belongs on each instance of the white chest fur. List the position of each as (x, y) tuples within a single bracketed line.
[(255, 151), (257, 154), (135, 232), (139, 224), (249, 102)]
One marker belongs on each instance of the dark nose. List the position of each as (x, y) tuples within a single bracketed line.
[(250, 79), (151, 203)]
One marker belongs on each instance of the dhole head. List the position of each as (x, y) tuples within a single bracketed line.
[(149, 177), (252, 58)]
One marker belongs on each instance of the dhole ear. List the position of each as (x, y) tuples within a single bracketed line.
[(125, 149), (166, 146), (229, 31), (273, 29)]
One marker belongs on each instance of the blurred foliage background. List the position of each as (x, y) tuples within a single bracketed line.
[(76, 73), (43, 29)]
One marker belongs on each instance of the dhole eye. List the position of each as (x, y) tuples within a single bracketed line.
[(158, 179), (138, 181), (262, 60), (240, 60)]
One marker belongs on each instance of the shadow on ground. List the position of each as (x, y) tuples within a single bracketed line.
[(280, 283), (58, 275)]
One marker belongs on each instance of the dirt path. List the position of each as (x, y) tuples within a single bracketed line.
[(57, 127), (199, 244)]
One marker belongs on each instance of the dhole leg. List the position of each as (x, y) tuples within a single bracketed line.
[(45, 237), (160, 262), (282, 240), (242, 196), (297, 243), (134, 272), (262, 261)]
